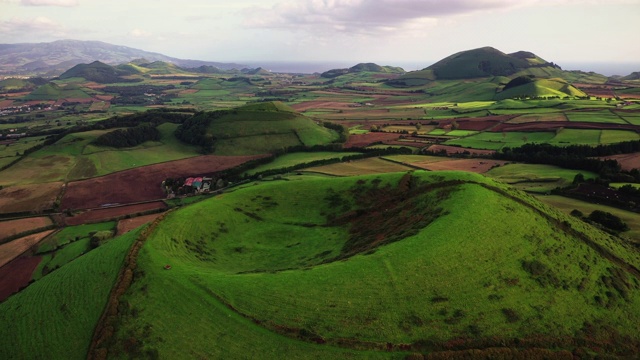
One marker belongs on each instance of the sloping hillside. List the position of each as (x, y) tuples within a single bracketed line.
[(529, 87), (380, 266), (477, 63), (254, 129), (98, 72)]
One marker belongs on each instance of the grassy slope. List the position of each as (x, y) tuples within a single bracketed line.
[(536, 177), (434, 286), (263, 128), (541, 88), (293, 159), (54, 318)]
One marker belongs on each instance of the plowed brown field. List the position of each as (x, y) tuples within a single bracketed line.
[(143, 183)]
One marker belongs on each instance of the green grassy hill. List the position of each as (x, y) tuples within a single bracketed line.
[(363, 67), (478, 63), (98, 72), (364, 265), (53, 91), (482, 62), (15, 85), (530, 87), (254, 129)]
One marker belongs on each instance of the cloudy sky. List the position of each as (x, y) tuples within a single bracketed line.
[(394, 32)]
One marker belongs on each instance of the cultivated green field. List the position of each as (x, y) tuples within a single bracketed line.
[(267, 268), (567, 205), (74, 157), (293, 159), (55, 317), (496, 141), (536, 177)]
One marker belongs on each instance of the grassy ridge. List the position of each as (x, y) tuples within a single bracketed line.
[(513, 274), (55, 317)]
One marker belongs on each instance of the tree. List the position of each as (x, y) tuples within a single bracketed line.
[(608, 220), (579, 178)]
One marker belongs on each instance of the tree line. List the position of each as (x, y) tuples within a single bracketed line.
[(577, 157), (129, 137)]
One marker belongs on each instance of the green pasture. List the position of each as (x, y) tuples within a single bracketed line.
[(63, 256), (265, 263), (293, 159), (632, 119), (74, 157), (107, 160), (602, 116), (55, 317), (496, 141), (207, 94), (8, 151), (72, 233), (615, 136), (567, 205), (536, 177)]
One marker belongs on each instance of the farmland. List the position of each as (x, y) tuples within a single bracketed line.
[(76, 295), (441, 240)]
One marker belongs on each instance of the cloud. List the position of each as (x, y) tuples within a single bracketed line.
[(36, 26), (381, 16), (139, 33), (359, 15), (64, 3)]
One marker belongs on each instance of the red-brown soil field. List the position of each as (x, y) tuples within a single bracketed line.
[(320, 104), (409, 143), (628, 162), (5, 103), (14, 227), (552, 125), (17, 274), (459, 150), (476, 124), (479, 166), (127, 225), (99, 215), (143, 183), (23, 198), (361, 140), (15, 248)]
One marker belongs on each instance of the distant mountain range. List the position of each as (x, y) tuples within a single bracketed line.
[(55, 57)]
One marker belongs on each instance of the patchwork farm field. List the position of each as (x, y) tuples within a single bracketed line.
[(117, 187), (448, 255), (359, 167), (15, 248), (75, 294), (496, 141), (535, 177), (28, 198), (14, 227), (292, 159)]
